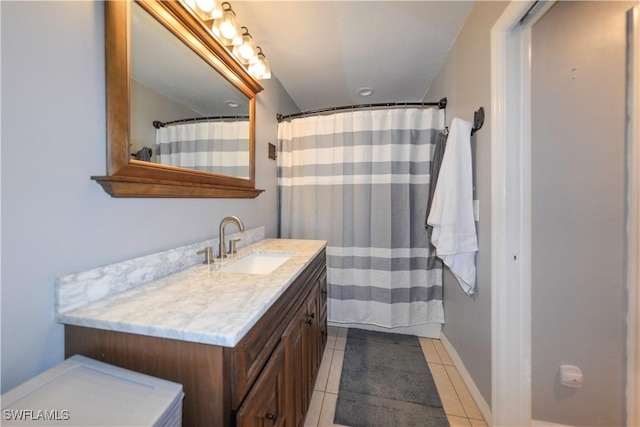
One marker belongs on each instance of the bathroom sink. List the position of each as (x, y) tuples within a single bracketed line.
[(258, 262)]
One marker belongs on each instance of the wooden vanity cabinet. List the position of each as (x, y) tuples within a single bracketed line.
[(265, 380)]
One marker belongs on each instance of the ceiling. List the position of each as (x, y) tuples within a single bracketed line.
[(323, 52)]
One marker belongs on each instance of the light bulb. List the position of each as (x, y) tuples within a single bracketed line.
[(247, 49), (260, 69), (206, 6), (227, 30), (217, 11), (203, 8), (226, 27)]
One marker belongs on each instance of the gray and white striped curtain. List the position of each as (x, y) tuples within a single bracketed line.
[(360, 180), (219, 147)]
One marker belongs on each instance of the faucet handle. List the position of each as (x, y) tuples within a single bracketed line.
[(232, 246), (208, 254)]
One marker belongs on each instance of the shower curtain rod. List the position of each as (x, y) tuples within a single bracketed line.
[(158, 124), (440, 104)]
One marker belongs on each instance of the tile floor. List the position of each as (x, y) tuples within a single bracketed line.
[(458, 404)]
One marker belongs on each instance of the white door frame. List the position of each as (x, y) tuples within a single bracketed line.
[(510, 281), (511, 215), (633, 218), (511, 220)]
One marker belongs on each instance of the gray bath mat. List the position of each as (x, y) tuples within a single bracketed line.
[(386, 382)]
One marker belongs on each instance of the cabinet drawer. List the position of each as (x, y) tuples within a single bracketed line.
[(264, 405)]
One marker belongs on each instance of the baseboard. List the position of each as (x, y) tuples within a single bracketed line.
[(482, 404), (427, 330), (538, 423)]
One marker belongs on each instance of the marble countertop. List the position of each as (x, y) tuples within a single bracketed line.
[(199, 304)]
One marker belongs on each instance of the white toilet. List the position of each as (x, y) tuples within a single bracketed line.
[(84, 392)]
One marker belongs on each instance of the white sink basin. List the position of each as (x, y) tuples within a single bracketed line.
[(258, 262)]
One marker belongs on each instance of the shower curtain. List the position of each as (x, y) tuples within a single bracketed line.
[(360, 180), (219, 147)]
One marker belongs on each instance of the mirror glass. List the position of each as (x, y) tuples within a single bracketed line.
[(201, 119)]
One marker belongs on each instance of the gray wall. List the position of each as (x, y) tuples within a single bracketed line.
[(465, 81), (148, 105), (578, 302), (55, 220)]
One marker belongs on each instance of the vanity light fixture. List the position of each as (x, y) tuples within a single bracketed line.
[(221, 20)]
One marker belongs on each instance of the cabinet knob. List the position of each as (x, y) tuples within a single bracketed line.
[(271, 417)]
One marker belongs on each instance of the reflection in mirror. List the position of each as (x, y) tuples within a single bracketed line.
[(183, 112)]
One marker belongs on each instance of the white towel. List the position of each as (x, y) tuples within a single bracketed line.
[(451, 215)]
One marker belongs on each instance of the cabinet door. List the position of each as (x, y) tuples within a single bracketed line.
[(295, 386), (264, 405), (321, 284), (310, 333)]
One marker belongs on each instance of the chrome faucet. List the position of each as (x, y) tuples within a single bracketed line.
[(222, 252)]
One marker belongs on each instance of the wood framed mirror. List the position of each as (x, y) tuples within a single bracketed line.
[(130, 177)]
